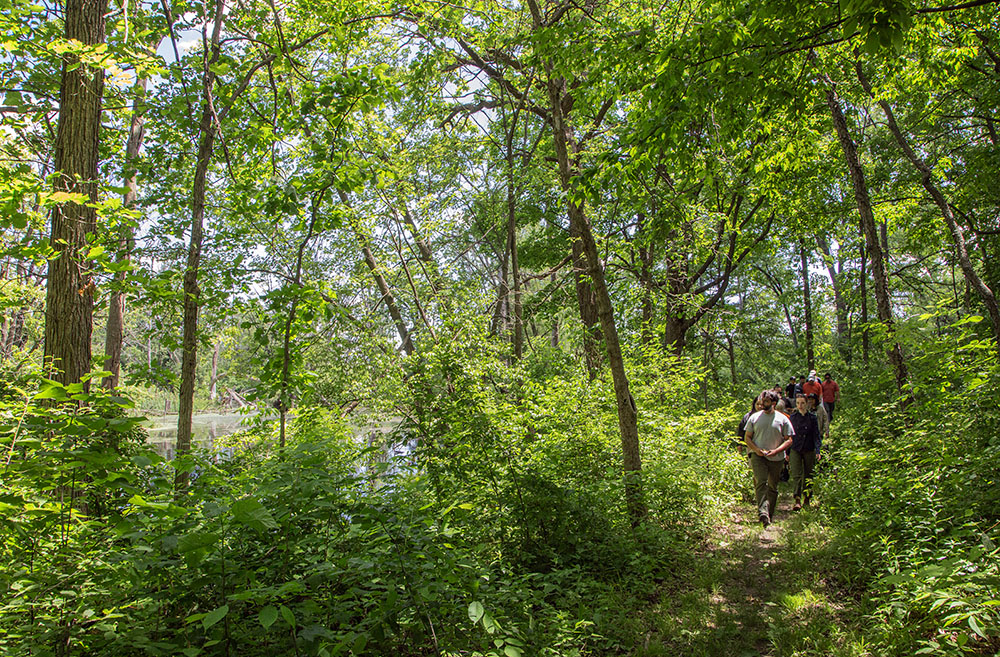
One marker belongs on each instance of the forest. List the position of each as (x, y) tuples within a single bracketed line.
[(488, 287)]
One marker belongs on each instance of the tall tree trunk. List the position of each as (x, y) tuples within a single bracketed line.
[(554, 339), (564, 142), (498, 324), (840, 305), (865, 335), (646, 282), (192, 291), (213, 382), (515, 271), (807, 305), (285, 401), (863, 201), (986, 295), (586, 303), (69, 297), (115, 334), (731, 351)]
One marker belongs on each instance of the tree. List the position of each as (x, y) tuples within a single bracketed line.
[(69, 299)]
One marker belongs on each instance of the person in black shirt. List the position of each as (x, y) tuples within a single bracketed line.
[(802, 458), (790, 391)]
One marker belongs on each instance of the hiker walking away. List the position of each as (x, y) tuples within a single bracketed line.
[(831, 394), (802, 459), (768, 435)]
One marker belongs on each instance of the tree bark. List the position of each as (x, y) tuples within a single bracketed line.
[(986, 295), (840, 305), (192, 291), (564, 141), (405, 339), (870, 230), (69, 296), (115, 334), (865, 336), (515, 270), (213, 382), (807, 306), (586, 303), (646, 282)]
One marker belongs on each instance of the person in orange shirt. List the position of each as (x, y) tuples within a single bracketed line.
[(812, 386), (831, 394)]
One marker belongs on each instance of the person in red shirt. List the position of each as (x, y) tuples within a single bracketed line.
[(831, 394), (812, 386)]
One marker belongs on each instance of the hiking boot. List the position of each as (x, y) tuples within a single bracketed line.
[(797, 506), (764, 521)]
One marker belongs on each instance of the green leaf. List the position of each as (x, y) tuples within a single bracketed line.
[(287, 614), (268, 615), (512, 651), (974, 626), (214, 616), (476, 611), (196, 541), (52, 390), (253, 514)]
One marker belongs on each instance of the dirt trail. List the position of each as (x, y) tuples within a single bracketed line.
[(754, 592)]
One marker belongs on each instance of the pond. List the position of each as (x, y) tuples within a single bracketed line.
[(205, 428)]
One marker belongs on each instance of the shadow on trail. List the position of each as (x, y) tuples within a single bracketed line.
[(753, 592)]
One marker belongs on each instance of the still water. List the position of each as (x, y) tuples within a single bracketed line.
[(205, 428)]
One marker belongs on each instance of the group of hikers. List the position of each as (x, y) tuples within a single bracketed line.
[(786, 428)]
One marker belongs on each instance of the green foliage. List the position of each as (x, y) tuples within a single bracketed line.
[(916, 493)]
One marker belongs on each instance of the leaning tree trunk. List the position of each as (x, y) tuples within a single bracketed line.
[(115, 334), (627, 413), (986, 295), (69, 296), (192, 292), (405, 337), (863, 201), (807, 305)]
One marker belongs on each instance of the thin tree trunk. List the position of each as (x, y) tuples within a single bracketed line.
[(515, 271), (731, 350), (213, 382), (498, 323), (865, 335), (586, 303), (192, 291), (554, 339), (69, 297), (284, 403), (882, 298), (405, 339), (986, 295), (646, 282), (807, 305), (840, 306), (115, 334)]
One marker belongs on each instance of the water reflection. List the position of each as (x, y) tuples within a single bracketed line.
[(205, 429)]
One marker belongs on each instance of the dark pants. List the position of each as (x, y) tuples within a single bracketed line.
[(800, 468), (765, 477), (829, 409)]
